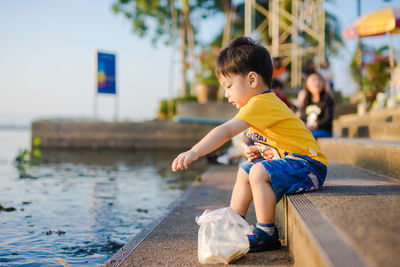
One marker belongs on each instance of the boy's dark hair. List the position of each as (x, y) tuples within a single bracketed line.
[(242, 56)]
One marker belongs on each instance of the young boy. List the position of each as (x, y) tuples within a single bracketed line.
[(285, 158)]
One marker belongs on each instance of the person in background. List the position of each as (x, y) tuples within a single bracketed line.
[(317, 108), (308, 69), (277, 87), (327, 74), (280, 72)]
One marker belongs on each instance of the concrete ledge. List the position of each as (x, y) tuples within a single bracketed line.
[(343, 109), (382, 124), (119, 258), (351, 221), (364, 217), (383, 115), (379, 156), (210, 110), (381, 131), (313, 241), (388, 131), (348, 222), (118, 135), (172, 240)]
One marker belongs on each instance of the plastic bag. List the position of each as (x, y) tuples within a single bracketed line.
[(222, 236)]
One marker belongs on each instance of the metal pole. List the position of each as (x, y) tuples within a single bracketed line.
[(248, 17), (95, 106), (174, 30), (116, 105), (275, 28), (322, 34), (359, 45), (95, 86), (391, 62), (295, 80)]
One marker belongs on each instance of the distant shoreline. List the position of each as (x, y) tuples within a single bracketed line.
[(14, 127)]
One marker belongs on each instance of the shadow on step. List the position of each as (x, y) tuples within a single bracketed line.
[(352, 190)]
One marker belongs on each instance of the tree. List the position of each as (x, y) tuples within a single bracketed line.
[(375, 73), (163, 18)]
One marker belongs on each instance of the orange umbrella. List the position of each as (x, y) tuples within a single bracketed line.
[(379, 22)]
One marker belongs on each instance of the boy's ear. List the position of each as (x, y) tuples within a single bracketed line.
[(253, 79)]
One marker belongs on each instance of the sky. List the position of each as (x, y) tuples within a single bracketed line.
[(47, 62)]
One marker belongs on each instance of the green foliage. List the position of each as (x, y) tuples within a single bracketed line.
[(375, 75), (23, 157), (207, 60), (163, 111), (36, 142), (167, 109), (26, 158), (333, 36), (154, 17)]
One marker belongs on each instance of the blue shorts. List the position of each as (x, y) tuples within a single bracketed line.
[(321, 133), (292, 175)]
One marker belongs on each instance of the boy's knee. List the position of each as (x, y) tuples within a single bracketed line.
[(242, 175), (258, 174)]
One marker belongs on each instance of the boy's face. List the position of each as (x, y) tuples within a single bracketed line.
[(238, 89)]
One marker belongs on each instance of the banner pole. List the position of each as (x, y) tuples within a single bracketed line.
[(116, 111), (95, 86), (116, 108)]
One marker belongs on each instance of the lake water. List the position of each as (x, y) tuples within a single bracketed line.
[(81, 206)]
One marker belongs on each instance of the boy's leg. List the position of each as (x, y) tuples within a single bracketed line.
[(265, 236), (263, 196), (241, 194)]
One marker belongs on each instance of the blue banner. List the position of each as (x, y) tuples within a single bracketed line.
[(106, 73)]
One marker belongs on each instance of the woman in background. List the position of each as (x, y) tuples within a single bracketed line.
[(317, 107)]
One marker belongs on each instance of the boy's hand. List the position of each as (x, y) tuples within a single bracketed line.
[(252, 153), (182, 161), (268, 154)]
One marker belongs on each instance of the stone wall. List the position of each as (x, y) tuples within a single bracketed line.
[(382, 124), (211, 110), (119, 135)]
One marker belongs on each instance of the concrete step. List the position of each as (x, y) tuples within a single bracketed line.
[(381, 131), (382, 124), (352, 221), (383, 115), (389, 131), (379, 156), (172, 240)]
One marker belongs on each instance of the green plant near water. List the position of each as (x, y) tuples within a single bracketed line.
[(26, 158), (167, 109)]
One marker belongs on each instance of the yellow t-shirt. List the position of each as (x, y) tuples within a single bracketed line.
[(274, 125)]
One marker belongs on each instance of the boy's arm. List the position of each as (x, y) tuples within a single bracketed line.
[(213, 140)]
